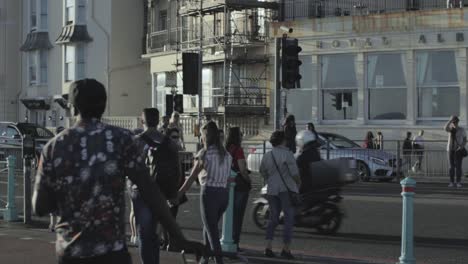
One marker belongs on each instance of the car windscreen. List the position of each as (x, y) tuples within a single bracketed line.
[(36, 132), (340, 141)]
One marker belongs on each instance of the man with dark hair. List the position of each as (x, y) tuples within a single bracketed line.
[(81, 177), (455, 147), (163, 161)]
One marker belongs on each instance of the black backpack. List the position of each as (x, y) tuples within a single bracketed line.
[(162, 161)]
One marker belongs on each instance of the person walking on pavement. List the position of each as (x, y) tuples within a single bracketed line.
[(369, 141), (290, 131), (243, 181), (418, 148), (408, 150), (165, 125), (174, 122), (379, 141), (162, 158), (281, 173), (455, 148), (81, 176), (212, 167)]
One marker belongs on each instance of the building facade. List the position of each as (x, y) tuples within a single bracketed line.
[(10, 65), (68, 40), (233, 36), (375, 69)]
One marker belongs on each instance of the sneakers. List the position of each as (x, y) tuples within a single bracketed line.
[(287, 254), (451, 185), (459, 185), (269, 253)]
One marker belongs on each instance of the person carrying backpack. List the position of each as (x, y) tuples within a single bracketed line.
[(162, 160)]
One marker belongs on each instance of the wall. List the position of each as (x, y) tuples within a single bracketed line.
[(10, 67)]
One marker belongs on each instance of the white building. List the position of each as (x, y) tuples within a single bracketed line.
[(68, 40), (10, 65), (393, 71)]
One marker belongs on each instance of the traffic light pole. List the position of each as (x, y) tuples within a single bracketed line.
[(277, 112)]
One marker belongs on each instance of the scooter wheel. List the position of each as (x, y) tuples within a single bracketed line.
[(261, 214), (333, 218)]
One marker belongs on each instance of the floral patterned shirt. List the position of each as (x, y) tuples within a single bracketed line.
[(85, 168)]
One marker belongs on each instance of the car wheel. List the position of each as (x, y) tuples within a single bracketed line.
[(260, 214), (363, 171)]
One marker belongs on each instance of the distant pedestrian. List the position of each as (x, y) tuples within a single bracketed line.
[(165, 125), (455, 148), (408, 150), (174, 135), (310, 127), (222, 137), (290, 131), (369, 141), (243, 181), (212, 167), (174, 122), (81, 176), (281, 173), (379, 141), (418, 150)]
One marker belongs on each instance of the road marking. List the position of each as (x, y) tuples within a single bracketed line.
[(26, 238), (425, 201)]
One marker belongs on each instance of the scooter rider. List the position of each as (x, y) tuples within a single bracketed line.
[(308, 145)]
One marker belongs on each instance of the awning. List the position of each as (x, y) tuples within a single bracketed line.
[(36, 41), (39, 103), (73, 34), (61, 100)]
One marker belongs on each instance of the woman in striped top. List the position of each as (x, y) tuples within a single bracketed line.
[(212, 167)]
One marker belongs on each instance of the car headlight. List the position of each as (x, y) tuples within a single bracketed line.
[(379, 161)]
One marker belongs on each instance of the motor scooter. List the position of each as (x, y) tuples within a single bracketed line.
[(320, 210)]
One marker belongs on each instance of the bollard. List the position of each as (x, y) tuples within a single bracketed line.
[(227, 242), (10, 214), (407, 236), (27, 190)]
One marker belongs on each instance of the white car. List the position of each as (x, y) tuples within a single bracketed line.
[(372, 164)]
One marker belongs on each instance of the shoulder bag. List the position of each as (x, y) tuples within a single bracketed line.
[(296, 199), (462, 151)]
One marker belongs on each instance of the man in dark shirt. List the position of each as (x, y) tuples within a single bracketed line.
[(81, 177)]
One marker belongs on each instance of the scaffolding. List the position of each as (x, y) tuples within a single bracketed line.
[(235, 39)]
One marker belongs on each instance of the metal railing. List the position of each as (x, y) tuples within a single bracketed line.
[(392, 160), (329, 8)]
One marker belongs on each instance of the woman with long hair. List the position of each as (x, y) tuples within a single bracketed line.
[(290, 132), (212, 167), (369, 141), (174, 122), (280, 170), (243, 182)]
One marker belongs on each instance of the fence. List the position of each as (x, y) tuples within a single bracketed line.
[(390, 160)]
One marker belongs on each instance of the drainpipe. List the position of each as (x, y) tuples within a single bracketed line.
[(18, 95), (108, 68)]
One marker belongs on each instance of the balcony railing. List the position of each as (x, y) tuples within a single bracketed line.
[(328, 8)]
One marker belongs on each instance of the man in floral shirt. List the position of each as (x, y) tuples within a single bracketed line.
[(81, 177)]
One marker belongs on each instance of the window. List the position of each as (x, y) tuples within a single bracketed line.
[(160, 91), (81, 12), (69, 63), (299, 101), (33, 17), (386, 84), (32, 60), (162, 20), (44, 14), (43, 66), (338, 87), (80, 62), (69, 12), (207, 84), (438, 87)]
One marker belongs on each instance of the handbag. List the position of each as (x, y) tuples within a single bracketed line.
[(462, 152), (295, 198)]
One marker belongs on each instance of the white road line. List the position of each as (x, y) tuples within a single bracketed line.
[(425, 201), (26, 238)]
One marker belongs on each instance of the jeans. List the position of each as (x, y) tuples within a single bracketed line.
[(118, 257), (213, 203), (278, 203), (165, 235), (146, 228), (240, 204), (455, 161)]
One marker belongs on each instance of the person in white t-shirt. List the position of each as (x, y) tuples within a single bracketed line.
[(418, 150)]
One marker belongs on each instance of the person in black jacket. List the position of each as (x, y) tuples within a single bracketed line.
[(290, 131), (308, 144)]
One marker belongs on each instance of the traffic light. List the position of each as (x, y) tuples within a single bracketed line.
[(290, 63), (348, 97), (179, 103), (337, 99), (169, 104)]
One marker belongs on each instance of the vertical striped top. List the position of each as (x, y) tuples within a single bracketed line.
[(216, 170)]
